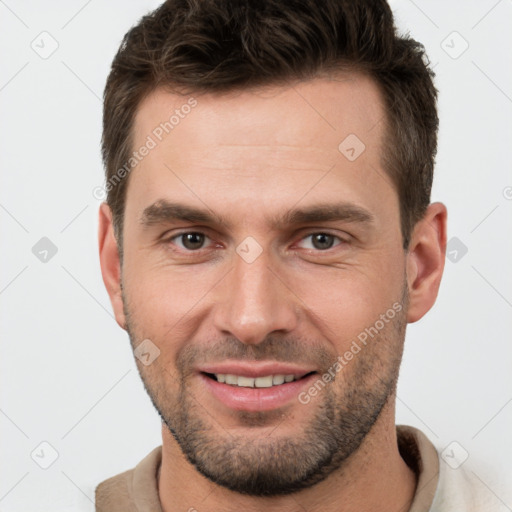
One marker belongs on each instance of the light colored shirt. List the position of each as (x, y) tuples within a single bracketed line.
[(440, 488)]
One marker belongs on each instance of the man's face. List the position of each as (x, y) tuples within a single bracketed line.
[(296, 255)]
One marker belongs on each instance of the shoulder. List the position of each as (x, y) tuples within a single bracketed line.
[(132, 490), (450, 479), (472, 487), (115, 492)]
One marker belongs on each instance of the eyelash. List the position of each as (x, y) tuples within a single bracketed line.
[(310, 234)]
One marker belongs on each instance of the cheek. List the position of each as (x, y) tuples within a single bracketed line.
[(164, 301), (342, 303)]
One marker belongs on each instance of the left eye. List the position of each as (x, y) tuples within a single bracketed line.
[(321, 241), (191, 241)]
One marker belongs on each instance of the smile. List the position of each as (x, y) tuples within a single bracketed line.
[(266, 381), (264, 391)]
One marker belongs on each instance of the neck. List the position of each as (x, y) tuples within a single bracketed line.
[(374, 478)]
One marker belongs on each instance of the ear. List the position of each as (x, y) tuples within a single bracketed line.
[(109, 262), (425, 261)]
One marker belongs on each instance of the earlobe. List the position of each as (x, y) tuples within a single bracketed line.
[(425, 261), (110, 263)]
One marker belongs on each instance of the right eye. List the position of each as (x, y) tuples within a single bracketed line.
[(190, 241)]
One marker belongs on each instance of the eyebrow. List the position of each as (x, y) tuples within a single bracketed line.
[(164, 211)]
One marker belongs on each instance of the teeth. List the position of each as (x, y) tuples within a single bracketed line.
[(278, 379), (261, 382), (258, 382), (246, 382), (231, 379)]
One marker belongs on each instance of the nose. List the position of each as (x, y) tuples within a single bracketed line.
[(254, 302)]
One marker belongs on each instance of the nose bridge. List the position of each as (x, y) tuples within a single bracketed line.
[(254, 301)]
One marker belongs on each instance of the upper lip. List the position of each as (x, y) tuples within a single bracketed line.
[(256, 368)]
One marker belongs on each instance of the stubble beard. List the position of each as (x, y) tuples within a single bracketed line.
[(275, 465)]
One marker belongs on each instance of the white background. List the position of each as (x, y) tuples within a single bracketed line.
[(67, 372)]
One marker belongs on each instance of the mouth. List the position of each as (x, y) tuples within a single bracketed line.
[(262, 387), (265, 381)]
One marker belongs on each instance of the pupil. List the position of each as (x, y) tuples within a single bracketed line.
[(193, 240), (323, 241)]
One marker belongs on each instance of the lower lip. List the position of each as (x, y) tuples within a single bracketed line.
[(256, 399)]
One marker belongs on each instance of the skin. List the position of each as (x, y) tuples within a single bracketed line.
[(250, 157)]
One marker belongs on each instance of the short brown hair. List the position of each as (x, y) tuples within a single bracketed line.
[(222, 45)]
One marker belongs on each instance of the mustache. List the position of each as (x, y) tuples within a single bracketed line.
[(273, 348)]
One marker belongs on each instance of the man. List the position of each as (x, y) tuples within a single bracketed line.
[(267, 236)]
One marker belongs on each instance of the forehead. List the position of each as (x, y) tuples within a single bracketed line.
[(267, 146), (348, 103)]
